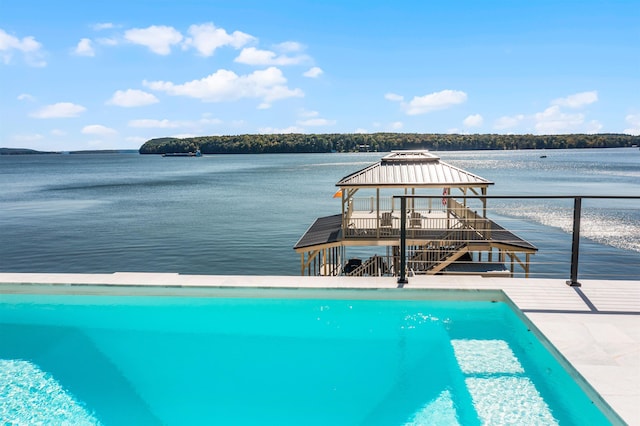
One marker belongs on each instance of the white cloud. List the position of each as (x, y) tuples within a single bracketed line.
[(254, 56), (397, 125), (316, 122), (313, 72), (158, 39), (577, 100), (206, 38), (173, 124), (132, 98), (98, 129), (27, 45), (58, 132), (212, 121), (394, 97), (223, 85), (9, 42), (25, 97), (272, 130), (554, 121), (184, 135), (59, 110), (102, 26), (435, 101), (634, 121), (594, 126), (84, 48), (289, 46), (105, 41), (360, 130), (152, 123), (305, 113), (506, 122), (473, 120)]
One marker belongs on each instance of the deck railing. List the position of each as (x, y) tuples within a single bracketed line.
[(392, 204), (370, 218), (576, 236), (372, 227)]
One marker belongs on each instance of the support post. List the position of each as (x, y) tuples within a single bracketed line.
[(575, 247), (403, 242)]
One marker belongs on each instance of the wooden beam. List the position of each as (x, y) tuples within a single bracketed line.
[(311, 255)]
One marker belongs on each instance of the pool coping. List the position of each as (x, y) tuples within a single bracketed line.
[(595, 328)]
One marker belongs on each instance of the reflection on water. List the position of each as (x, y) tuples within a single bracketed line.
[(619, 228)]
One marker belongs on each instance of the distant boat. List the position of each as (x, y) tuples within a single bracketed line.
[(183, 154), (543, 156)]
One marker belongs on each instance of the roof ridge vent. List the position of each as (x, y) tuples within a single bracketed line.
[(422, 156)]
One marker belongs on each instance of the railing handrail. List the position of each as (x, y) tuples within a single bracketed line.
[(577, 207), (524, 197)]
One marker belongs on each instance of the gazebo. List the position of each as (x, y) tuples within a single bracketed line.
[(446, 223)]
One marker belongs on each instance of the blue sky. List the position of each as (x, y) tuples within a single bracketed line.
[(113, 74)]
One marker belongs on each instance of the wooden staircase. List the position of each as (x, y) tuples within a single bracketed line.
[(375, 266), (438, 254)]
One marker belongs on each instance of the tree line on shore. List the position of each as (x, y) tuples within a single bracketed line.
[(341, 142)]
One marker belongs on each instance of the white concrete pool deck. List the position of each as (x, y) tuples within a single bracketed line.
[(596, 327)]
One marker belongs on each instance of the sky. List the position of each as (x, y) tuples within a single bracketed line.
[(78, 75)]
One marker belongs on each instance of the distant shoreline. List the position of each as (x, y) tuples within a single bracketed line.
[(291, 143), (26, 151)]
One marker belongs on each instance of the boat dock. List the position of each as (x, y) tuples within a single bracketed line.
[(445, 223)]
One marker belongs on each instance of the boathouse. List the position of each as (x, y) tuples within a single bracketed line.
[(447, 230)]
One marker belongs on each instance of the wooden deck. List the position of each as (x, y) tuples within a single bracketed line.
[(426, 225), (327, 230)]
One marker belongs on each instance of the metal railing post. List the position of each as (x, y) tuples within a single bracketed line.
[(575, 247), (403, 242)]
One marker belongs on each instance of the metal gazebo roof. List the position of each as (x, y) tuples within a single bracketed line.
[(412, 169)]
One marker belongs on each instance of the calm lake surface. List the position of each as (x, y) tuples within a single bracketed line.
[(242, 214)]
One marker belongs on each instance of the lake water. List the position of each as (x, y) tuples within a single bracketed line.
[(242, 214)]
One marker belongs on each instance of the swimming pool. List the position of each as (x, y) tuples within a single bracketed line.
[(174, 356)]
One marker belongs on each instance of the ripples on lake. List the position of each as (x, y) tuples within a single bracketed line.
[(242, 214)]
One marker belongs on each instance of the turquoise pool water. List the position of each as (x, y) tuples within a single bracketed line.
[(227, 360)]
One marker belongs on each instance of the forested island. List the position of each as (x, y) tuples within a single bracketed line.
[(350, 142), (353, 142)]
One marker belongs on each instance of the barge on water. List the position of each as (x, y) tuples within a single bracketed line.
[(448, 231), (183, 154)]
